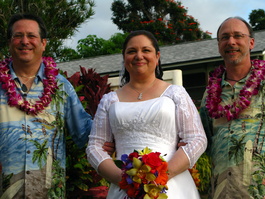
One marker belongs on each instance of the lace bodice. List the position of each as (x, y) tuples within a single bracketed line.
[(151, 123), (157, 123)]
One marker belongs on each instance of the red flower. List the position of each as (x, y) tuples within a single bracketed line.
[(214, 90), (15, 99), (152, 159), (143, 172), (133, 155)]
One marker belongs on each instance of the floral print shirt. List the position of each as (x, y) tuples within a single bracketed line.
[(237, 147), (32, 148)]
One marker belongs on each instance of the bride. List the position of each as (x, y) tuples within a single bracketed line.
[(147, 112)]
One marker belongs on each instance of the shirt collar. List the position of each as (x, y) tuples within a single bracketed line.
[(224, 82), (40, 73)]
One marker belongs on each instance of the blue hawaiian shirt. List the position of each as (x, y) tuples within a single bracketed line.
[(32, 148)]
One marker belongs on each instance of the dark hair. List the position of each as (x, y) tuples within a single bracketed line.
[(158, 72), (17, 17), (250, 30)]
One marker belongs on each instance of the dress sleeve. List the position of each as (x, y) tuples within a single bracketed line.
[(100, 133), (189, 125)]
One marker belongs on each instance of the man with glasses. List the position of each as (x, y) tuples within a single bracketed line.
[(37, 106), (233, 114)]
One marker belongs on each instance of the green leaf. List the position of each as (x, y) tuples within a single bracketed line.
[(119, 163)]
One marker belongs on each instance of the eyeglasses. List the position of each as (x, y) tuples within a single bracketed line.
[(19, 36), (236, 36)]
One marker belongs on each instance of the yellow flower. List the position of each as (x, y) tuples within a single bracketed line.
[(146, 150), (195, 175), (140, 172), (147, 168), (154, 191)]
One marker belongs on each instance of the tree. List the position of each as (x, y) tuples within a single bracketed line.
[(67, 54), (166, 19), (62, 18), (90, 46), (93, 46), (257, 19), (115, 43)]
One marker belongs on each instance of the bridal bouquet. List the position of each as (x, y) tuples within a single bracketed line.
[(144, 175)]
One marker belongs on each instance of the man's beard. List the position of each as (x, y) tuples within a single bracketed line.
[(238, 60)]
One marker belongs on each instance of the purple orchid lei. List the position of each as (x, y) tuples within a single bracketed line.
[(214, 90), (16, 100)]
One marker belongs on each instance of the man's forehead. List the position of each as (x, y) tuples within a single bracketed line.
[(231, 32), (25, 25), (233, 26)]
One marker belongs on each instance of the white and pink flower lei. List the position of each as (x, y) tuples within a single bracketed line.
[(214, 90), (15, 99)]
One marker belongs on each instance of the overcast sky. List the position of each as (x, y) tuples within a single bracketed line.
[(209, 13)]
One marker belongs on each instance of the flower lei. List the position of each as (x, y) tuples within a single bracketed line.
[(16, 100), (144, 175), (214, 90)]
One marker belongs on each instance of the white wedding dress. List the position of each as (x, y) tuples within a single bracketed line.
[(158, 124)]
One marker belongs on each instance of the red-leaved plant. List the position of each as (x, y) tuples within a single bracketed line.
[(90, 87), (82, 180)]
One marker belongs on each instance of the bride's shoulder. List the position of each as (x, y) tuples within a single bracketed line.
[(174, 89), (109, 97)]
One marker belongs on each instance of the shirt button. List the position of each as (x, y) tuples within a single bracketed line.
[(28, 151), (28, 172)]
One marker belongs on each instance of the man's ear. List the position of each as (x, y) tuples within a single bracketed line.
[(44, 43)]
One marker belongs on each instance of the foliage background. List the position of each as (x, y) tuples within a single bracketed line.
[(81, 177), (62, 18), (166, 19)]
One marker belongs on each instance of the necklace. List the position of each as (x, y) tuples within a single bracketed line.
[(226, 78), (232, 79), (24, 87), (16, 100), (214, 90), (140, 96), (26, 76)]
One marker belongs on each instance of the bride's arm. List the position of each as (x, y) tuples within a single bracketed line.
[(101, 133), (110, 171), (178, 163), (190, 131)]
